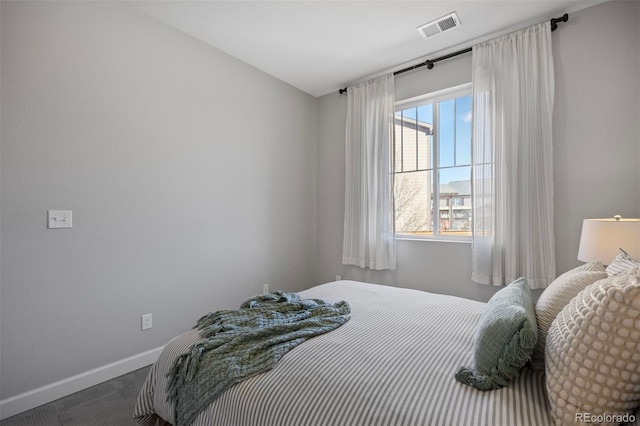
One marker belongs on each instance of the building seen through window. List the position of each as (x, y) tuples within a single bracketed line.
[(432, 165)]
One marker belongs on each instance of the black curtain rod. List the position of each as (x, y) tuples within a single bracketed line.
[(430, 62)]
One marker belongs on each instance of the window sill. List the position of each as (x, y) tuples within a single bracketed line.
[(464, 240)]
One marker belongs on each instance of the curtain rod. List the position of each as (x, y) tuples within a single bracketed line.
[(430, 62)]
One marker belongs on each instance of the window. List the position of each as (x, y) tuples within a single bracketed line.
[(432, 165)]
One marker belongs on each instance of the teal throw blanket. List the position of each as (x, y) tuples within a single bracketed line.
[(238, 344)]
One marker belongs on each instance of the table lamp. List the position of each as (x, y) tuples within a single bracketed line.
[(602, 239)]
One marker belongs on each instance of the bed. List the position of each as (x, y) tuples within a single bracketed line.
[(392, 363)]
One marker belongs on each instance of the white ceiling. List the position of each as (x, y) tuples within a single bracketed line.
[(321, 46)]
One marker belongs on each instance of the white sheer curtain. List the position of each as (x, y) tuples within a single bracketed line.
[(368, 217), (513, 90)]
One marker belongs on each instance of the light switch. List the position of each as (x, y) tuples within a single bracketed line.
[(59, 219)]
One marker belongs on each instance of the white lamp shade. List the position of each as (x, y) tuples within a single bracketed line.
[(602, 239)]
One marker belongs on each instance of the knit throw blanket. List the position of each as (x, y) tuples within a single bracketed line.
[(238, 344)]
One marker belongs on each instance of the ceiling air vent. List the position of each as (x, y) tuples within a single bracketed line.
[(439, 25)]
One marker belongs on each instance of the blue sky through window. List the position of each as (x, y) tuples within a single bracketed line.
[(455, 135)]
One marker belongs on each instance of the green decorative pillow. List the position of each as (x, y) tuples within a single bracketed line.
[(505, 337)]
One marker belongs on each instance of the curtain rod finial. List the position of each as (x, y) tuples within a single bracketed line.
[(554, 21)]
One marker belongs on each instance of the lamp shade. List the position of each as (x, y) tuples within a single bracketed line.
[(601, 239)]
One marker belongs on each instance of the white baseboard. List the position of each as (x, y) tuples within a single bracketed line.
[(45, 394)]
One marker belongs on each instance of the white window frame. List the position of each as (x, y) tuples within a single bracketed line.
[(434, 98)]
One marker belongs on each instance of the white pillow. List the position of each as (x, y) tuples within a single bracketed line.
[(621, 263), (555, 297), (593, 353)]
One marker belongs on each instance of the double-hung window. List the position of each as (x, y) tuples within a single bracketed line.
[(432, 165)]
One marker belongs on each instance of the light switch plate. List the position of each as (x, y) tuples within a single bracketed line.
[(59, 219)]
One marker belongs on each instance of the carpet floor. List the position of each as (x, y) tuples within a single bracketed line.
[(107, 404)]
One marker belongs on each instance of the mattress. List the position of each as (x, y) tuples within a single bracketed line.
[(392, 363)]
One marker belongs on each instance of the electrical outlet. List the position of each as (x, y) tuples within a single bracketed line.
[(147, 321), (265, 288)]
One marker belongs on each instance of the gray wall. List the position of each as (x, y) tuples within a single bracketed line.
[(191, 177), (597, 113), (596, 151)]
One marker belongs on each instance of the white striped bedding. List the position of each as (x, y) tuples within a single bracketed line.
[(392, 363)]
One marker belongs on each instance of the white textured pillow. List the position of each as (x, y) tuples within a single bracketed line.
[(593, 353), (556, 297), (621, 263)]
